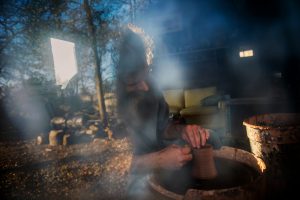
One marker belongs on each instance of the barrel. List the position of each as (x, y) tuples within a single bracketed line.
[(274, 137), (253, 188)]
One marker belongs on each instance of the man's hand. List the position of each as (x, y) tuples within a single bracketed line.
[(174, 157), (195, 135)]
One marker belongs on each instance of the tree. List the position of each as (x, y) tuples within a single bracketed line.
[(94, 25), (97, 60)]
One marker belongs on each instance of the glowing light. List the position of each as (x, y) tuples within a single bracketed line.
[(246, 53), (65, 65)]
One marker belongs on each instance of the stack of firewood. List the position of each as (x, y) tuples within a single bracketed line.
[(72, 130)]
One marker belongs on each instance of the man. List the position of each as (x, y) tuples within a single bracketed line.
[(145, 113)]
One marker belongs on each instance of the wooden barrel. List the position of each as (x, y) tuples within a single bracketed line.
[(254, 188), (275, 138)]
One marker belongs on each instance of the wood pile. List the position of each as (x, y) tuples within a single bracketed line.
[(72, 130)]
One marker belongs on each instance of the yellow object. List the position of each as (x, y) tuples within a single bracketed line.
[(175, 99), (189, 104), (193, 97)]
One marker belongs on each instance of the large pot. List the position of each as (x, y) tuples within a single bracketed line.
[(275, 138), (253, 189)]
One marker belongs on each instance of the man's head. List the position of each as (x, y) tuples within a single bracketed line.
[(136, 97), (133, 69)]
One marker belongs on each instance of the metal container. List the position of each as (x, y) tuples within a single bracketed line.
[(252, 189)]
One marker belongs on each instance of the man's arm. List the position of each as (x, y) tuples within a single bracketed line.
[(193, 134), (173, 131), (171, 157)]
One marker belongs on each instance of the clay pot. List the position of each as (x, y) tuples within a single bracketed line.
[(203, 163)]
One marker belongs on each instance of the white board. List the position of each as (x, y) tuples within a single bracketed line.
[(65, 65)]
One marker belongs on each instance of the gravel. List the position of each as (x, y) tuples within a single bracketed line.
[(97, 170)]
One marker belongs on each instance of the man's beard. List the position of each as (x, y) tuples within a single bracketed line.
[(143, 104), (139, 107)]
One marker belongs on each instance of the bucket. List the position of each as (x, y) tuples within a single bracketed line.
[(180, 185), (275, 138)]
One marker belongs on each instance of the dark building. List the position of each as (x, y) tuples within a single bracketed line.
[(205, 38)]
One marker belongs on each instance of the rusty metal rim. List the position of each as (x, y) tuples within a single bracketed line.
[(158, 188), (266, 127), (174, 196)]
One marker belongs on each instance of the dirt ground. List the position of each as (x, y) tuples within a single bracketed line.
[(80, 171)]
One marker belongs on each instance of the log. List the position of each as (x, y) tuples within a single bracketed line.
[(66, 139), (58, 123), (76, 122), (54, 137)]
